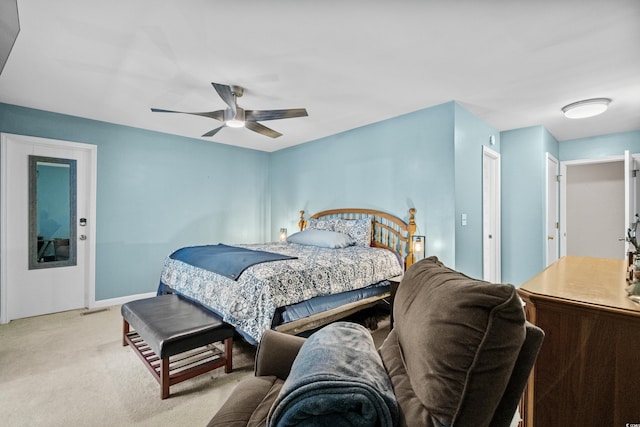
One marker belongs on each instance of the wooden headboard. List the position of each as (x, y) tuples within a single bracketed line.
[(388, 231)]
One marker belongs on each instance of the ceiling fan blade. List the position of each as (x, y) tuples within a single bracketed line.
[(214, 131), (261, 129), (226, 94), (218, 115), (260, 115)]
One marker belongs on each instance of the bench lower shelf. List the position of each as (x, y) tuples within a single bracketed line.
[(180, 367)]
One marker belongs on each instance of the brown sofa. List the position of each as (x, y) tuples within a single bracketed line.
[(459, 354)]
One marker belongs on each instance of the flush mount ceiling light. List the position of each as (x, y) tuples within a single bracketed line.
[(586, 108)]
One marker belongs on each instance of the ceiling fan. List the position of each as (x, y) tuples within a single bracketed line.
[(237, 117)]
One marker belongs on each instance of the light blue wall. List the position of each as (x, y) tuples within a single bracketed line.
[(550, 145), (523, 189), (394, 165), (157, 192), (471, 134), (600, 146), (523, 202)]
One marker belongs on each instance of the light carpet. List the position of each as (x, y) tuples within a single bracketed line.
[(70, 369)]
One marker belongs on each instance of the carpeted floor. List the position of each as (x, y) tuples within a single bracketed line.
[(70, 369)]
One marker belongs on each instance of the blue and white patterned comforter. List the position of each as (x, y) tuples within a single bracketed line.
[(250, 302)]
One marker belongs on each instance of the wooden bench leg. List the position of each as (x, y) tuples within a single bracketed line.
[(164, 378), (125, 331), (228, 355)]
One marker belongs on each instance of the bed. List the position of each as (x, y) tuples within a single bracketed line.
[(340, 262)]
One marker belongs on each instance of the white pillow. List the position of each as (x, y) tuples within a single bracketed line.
[(321, 238)]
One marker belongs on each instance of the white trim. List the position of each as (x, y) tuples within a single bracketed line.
[(4, 312), (122, 300), (545, 236), (90, 295), (592, 161)]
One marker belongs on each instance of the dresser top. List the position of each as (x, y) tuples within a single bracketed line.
[(593, 281)]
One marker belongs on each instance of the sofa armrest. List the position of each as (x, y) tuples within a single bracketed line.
[(276, 353)]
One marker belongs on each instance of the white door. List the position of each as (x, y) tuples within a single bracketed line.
[(552, 223), (632, 199), (33, 291), (491, 255)]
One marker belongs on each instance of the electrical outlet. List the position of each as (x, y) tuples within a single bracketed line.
[(464, 219)]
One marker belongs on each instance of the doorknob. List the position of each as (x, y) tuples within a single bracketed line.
[(549, 237), (621, 239), (490, 236)]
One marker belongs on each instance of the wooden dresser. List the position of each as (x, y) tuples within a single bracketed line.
[(588, 370)]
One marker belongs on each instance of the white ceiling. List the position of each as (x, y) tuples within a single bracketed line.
[(349, 63)]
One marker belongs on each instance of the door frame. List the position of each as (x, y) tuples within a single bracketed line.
[(548, 213), (90, 268), (494, 207), (563, 192)]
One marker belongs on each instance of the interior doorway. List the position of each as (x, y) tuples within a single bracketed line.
[(46, 269), (593, 208)]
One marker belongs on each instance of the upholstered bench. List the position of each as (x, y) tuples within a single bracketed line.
[(175, 338)]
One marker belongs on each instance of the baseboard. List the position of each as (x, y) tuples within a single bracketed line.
[(122, 300)]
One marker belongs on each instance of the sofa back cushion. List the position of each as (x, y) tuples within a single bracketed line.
[(458, 338)]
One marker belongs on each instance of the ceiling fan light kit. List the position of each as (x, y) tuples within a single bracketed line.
[(586, 108), (235, 123), (236, 117)]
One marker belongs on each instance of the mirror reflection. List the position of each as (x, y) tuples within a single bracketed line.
[(52, 212)]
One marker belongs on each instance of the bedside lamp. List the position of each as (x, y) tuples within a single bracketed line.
[(418, 243)]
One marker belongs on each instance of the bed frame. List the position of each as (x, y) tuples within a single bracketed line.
[(389, 232)]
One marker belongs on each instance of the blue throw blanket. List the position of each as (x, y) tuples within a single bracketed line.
[(229, 261), (336, 380)]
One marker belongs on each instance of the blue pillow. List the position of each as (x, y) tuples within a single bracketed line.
[(321, 238)]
